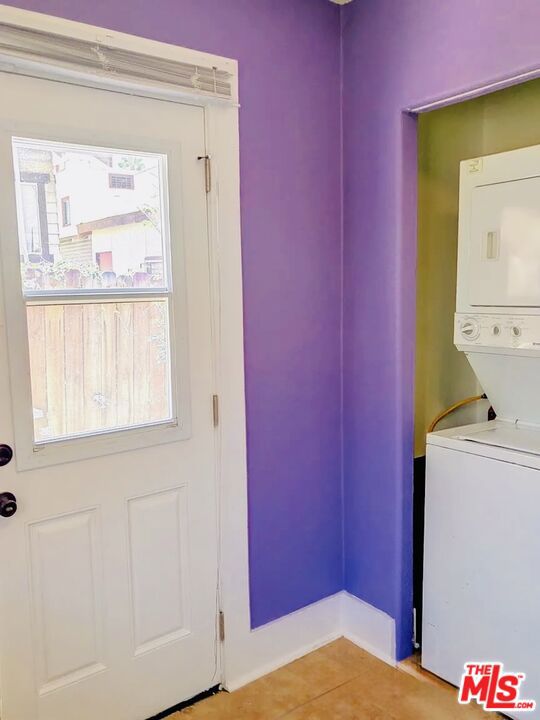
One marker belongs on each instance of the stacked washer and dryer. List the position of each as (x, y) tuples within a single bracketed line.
[(482, 532)]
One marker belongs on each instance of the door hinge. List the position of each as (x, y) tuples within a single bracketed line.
[(215, 409), (207, 172), (221, 624)]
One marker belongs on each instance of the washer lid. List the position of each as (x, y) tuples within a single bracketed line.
[(509, 436), (497, 439)]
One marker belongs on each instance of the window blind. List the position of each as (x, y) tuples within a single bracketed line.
[(104, 60)]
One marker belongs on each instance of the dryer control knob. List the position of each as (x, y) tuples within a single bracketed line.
[(470, 329)]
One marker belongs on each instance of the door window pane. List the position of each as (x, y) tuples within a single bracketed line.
[(79, 204), (98, 367)]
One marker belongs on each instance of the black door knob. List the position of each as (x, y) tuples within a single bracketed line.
[(6, 453), (8, 504)]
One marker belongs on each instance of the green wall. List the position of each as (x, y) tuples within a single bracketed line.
[(505, 120)]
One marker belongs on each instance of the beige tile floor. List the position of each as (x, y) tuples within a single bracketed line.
[(337, 682)]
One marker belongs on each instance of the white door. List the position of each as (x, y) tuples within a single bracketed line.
[(108, 584)]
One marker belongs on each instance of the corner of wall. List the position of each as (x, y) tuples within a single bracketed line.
[(255, 653), (342, 298), (369, 628)]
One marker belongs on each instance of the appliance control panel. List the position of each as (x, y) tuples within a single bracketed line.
[(519, 332)]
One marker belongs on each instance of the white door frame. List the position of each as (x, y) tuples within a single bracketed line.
[(227, 305)]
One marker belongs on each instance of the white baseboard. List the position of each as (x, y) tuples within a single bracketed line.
[(260, 651), (369, 628), (277, 643)]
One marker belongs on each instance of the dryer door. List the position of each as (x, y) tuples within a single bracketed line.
[(504, 254)]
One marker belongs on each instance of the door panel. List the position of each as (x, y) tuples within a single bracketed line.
[(108, 590), (159, 521), (69, 646)]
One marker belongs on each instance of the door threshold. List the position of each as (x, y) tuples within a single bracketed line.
[(187, 703)]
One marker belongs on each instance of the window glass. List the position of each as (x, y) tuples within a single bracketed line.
[(79, 204), (92, 236), (98, 367)]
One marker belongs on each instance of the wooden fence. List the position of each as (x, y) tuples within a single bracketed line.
[(98, 366)]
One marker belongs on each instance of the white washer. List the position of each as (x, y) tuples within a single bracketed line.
[(482, 552)]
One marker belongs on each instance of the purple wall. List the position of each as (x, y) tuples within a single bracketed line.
[(291, 234), (397, 53)]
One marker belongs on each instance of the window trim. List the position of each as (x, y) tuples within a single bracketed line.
[(65, 296), (31, 454)]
